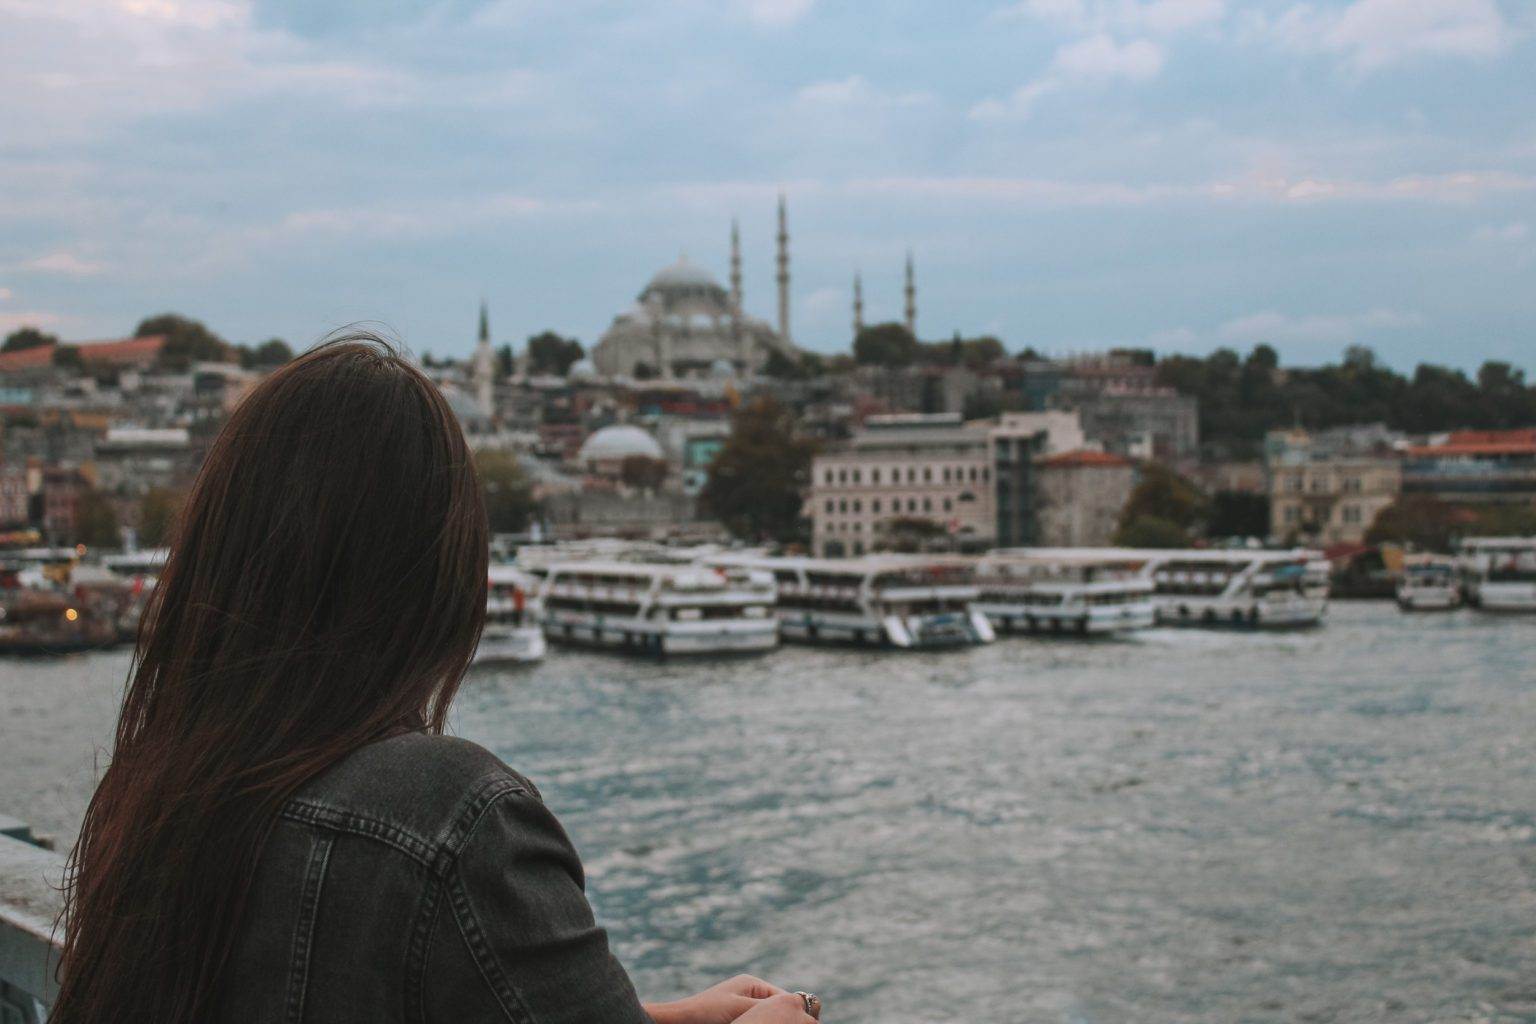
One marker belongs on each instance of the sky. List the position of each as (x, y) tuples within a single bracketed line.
[(1068, 174)]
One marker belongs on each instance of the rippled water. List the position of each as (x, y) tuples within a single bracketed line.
[(1338, 825)]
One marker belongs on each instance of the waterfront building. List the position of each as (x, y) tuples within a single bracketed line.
[(1079, 497), (1014, 445), (928, 473), (1143, 423), (1474, 467), (14, 494), (1327, 490)]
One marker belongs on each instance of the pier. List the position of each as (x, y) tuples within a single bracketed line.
[(30, 902)]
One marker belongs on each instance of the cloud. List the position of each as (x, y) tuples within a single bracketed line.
[(62, 262), (5, 294), (856, 91), (777, 13), (1514, 231), (1126, 17), (33, 318), (1270, 327), (1456, 187), (1373, 34), (1099, 56)]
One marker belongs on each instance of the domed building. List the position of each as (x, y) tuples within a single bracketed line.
[(610, 446), (685, 324)]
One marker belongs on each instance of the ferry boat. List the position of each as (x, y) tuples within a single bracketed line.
[(1064, 591), (1429, 584), (38, 621), (512, 632), (884, 600), (658, 608), (1500, 573), (1262, 589)]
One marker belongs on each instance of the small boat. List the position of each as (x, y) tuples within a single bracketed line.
[(905, 601), (1429, 584), (658, 608), (512, 632), (35, 621), (1243, 588), (1064, 591), (1500, 573)]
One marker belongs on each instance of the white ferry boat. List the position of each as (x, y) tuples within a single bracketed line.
[(1429, 584), (658, 608), (883, 600), (1064, 591), (1265, 589), (1500, 573), (512, 632)]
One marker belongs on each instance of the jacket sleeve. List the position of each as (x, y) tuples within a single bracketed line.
[(514, 906)]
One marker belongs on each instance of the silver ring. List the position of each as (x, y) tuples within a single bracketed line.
[(812, 1004)]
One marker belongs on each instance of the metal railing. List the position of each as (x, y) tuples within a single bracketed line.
[(29, 905)]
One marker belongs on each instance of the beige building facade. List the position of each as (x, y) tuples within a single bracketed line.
[(1331, 500), (897, 472)]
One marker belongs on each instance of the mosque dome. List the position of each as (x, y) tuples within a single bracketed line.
[(581, 369), (682, 274), (616, 443)]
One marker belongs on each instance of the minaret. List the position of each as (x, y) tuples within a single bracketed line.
[(783, 273), (483, 367), (738, 337), (911, 293), (858, 306)]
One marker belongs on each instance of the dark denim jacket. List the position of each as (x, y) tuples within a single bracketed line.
[(422, 880)]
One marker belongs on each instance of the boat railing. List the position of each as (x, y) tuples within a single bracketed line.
[(29, 905)]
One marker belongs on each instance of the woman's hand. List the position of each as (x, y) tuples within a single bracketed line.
[(750, 999)]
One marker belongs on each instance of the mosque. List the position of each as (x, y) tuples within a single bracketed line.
[(685, 324)]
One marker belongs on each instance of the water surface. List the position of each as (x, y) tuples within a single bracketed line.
[(1337, 825)]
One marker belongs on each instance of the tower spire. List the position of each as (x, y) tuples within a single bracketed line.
[(858, 305), (783, 275), (911, 295), (735, 264), (737, 335), (482, 369)]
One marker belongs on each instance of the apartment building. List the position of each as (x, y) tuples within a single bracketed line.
[(914, 472), (1328, 493)]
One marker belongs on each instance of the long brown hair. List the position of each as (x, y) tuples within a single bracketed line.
[(325, 588)]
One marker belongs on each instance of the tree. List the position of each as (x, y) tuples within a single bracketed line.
[(756, 481), (68, 357), (187, 341), (273, 352), (27, 337), (508, 494), (95, 520), (888, 344), (1163, 494), (1503, 521), (506, 363), (1417, 520), (783, 367), (549, 353), (643, 472), (157, 515), (1238, 514), (1152, 532)]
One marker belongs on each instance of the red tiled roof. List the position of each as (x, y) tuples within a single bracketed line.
[(26, 359), (1480, 442), (122, 350), (1084, 458), (117, 352)]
